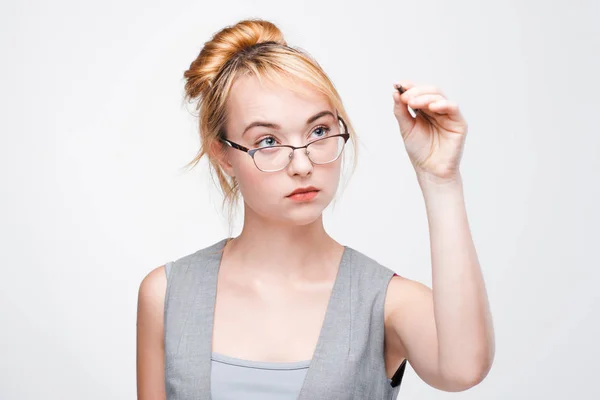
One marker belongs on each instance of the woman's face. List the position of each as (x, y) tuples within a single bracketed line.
[(285, 117)]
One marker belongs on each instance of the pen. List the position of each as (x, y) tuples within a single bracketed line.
[(401, 90)]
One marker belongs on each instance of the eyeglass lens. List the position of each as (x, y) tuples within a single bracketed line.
[(321, 151)]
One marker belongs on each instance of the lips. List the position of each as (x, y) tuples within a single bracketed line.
[(303, 190)]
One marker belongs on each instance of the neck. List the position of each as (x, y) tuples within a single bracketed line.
[(272, 250)]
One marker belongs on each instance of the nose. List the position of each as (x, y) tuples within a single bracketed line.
[(300, 164)]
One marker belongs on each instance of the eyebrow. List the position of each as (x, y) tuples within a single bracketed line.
[(275, 126)]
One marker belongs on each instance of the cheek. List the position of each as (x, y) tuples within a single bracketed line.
[(258, 188), (331, 177)]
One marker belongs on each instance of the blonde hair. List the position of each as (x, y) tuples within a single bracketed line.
[(250, 47)]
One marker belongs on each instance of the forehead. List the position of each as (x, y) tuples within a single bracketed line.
[(286, 103)]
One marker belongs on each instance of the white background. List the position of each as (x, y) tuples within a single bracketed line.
[(94, 133)]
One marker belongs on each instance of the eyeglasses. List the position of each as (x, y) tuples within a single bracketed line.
[(276, 158)]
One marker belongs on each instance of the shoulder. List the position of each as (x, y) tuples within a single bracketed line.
[(207, 253), (406, 299), (155, 279), (370, 277), (402, 290), (399, 286), (150, 311), (368, 267), (399, 291), (150, 333), (151, 293)]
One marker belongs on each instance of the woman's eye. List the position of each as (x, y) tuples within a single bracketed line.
[(268, 141), (321, 131)]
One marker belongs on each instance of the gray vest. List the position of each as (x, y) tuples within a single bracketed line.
[(348, 361)]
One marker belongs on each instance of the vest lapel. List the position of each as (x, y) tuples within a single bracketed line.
[(195, 344), (326, 370)]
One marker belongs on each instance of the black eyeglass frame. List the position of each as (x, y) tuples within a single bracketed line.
[(251, 152)]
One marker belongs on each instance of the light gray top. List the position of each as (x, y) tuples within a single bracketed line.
[(234, 378), (348, 361)]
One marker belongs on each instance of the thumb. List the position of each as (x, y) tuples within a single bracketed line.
[(405, 121)]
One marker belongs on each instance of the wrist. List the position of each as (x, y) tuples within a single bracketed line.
[(431, 182)]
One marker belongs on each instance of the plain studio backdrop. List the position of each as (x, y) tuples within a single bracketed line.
[(95, 134)]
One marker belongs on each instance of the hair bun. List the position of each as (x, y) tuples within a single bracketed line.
[(223, 45)]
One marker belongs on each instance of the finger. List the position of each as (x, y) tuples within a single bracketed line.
[(404, 84), (445, 107), (424, 100), (402, 87), (405, 120), (421, 90)]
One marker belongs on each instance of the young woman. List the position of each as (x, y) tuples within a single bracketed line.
[(283, 311)]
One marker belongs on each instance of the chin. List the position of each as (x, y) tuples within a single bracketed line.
[(292, 213), (303, 216), (305, 220)]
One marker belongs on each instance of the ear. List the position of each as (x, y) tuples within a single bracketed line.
[(220, 152)]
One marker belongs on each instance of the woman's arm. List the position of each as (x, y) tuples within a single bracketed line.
[(446, 333), (150, 336), (462, 313)]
